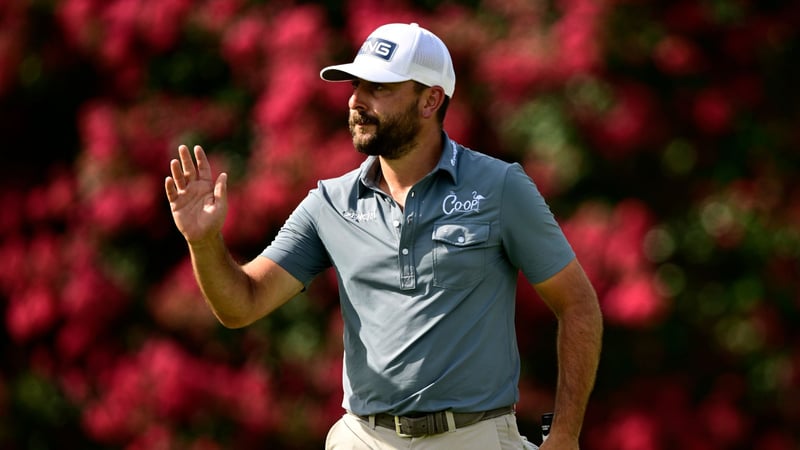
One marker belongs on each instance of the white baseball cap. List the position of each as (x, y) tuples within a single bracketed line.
[(399, 52)]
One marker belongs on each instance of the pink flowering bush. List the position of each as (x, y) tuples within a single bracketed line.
[(663, 135)]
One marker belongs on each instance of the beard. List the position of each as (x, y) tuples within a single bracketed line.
[(394, 136)]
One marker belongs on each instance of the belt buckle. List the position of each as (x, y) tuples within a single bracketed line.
[(398, 430)]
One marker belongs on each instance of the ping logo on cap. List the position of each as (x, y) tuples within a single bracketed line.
[(378, 47)]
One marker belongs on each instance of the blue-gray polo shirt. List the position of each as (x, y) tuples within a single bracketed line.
[(427, 292)]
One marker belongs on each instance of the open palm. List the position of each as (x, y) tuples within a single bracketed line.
[(198, 203)]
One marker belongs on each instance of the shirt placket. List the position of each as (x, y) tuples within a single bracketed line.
[(408, 273)]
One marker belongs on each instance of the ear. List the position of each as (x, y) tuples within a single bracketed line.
[(431, 100)]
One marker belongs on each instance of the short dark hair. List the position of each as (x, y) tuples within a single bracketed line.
[(419, 87)]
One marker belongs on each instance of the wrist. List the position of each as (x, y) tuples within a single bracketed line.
[(205, 243)]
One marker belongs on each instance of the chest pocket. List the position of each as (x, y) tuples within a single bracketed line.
[(459, 254)]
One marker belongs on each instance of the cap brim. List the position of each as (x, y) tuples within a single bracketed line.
[(350, 71)]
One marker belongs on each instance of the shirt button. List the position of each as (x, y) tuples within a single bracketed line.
[(461, 239), (404, 251), (412, 194), (396, 223)]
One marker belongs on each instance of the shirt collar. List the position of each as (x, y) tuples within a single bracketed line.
[(368, 173), (451, 153)]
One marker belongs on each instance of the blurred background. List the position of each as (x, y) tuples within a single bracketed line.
[(664, 135)]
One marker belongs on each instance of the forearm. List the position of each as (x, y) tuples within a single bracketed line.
[(578, 346), (227, 289)]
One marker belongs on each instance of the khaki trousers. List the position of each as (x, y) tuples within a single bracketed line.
[(500, 433)]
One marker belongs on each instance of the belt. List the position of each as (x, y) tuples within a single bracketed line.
[(433, 423)]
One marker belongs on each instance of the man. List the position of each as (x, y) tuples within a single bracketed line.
[(427, 238)]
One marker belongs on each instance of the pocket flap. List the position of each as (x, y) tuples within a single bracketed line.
[(461, 234)]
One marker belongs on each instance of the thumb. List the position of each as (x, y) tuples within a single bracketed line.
[(221, 188)]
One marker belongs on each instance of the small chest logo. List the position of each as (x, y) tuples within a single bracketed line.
[(378, 47), (451, 203), (359, 216)]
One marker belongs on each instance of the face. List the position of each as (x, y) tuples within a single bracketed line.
[(389, 134)]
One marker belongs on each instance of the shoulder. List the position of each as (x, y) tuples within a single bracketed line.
[(330, 192), (341, 184), (476, 165), (492, 174), (476, 160)]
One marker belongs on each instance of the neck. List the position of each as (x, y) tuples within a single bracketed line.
[(414, 165), (399, 175)]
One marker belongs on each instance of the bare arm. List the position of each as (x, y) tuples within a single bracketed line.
[(237, 294), (571, 297)]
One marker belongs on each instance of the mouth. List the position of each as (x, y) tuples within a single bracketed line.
[(362, 120)]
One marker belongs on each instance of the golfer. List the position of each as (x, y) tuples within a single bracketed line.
[(427, 239)]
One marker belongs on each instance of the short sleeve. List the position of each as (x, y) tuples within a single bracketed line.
[(532, 238), (297, 246)]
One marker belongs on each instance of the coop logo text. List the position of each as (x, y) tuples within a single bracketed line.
[(452, 204)]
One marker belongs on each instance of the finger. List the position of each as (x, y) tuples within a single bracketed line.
[(221, 188), (203, 166), (171, 189), (177, 174), (189, 171)]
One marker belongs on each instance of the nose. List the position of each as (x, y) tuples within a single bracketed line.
[(356, 97)]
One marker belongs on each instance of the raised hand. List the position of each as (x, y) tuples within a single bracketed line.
[(198, 203)]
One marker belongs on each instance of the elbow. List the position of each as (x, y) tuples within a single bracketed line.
[(241, 316), (232, 308), (232, 321), (233, 325)]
